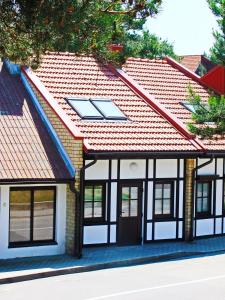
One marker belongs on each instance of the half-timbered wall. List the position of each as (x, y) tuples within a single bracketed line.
[(146, 171), (214, 224)]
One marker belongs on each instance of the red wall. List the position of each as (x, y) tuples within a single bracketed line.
[(215, 79)]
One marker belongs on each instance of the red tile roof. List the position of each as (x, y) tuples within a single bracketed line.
[(168, 83), (66, 75), (192, 62), (26, 150)]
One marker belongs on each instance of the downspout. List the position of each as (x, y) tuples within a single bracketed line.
[(194, 172), (78, 241), (77, 199)]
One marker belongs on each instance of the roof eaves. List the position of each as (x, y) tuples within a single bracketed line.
[(159, 108)]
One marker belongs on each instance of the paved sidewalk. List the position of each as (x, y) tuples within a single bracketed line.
[(20, 269)]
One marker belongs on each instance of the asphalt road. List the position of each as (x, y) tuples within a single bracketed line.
[(194, 279)]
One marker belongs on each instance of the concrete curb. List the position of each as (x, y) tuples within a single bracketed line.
[(107, 265)]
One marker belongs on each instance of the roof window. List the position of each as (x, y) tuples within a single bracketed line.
[(85, 109), (96, 108), (189, 106)]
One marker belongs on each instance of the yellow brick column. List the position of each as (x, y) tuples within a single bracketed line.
[(188, 209), (74, 148)]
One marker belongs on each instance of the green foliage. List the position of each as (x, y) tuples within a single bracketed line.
[(217, 52), (209, 117), (30, 27), (147, 45)]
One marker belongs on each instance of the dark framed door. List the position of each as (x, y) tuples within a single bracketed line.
[(129, 213)]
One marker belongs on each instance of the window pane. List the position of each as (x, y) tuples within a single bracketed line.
[(98, 193), (85, 108), (93, 201), (125, 208), (44, 201), (167, 190), (189, 106), (166, 206), (158, 191), (199, 204), (199, 190), (88, 209), (205, 205), (109, 109), (205, 189), (88, 193), (125, 193), (134, 192), (98, 209), (158, 207), (133, 208), (20, 207)]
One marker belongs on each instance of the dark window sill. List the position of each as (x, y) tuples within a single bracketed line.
[(203, 216), (32, 244), (96, 221), (163, 217)]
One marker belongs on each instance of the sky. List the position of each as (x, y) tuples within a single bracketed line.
[(187, 24)]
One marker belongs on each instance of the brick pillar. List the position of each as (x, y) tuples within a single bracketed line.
[(190, 164), (74, 148)]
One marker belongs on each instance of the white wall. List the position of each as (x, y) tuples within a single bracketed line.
[(113, 216), (6, 252), (100, 170), (166, 168), (95, 234), (204, 227), (131, 168), (219, 197), (220, 167), (165, 230), (208, 169)]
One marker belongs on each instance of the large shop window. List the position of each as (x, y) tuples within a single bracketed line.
[(203, 199), (163, 200), (32, 216), (94, 202)]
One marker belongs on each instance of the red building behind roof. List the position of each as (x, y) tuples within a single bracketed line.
[(215, 79)]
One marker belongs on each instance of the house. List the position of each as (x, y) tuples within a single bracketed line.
[(35, 173), (141, 175), (215, 79), (211, 75), (198, 64)]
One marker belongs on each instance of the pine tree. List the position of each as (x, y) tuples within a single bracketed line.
[(30, 27), (209, 118), (147, 45), (217, 52)]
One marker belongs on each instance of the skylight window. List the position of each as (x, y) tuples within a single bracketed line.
[(188, 106), (108, 109), (96, 109), (85, 109)]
